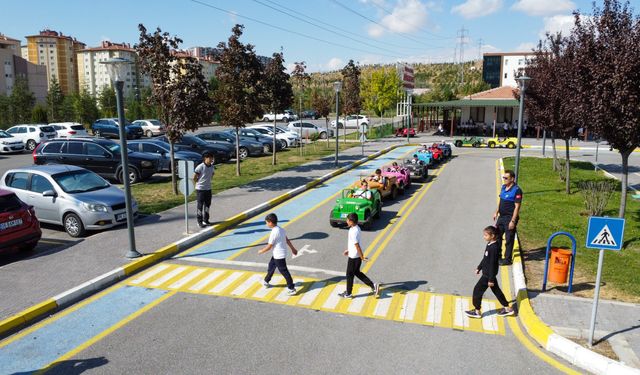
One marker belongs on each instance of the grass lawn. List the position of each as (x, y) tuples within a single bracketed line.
[(156, 195), (548, 209)]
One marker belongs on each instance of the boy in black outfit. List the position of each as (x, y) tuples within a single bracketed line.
[(489, 267)]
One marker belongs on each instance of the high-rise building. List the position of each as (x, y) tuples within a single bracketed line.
[(205, 57), (57, 52), (8, 49), (501, 68), (93, 75), (15, 67)]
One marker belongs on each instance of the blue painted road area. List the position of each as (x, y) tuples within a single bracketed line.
[(52, 339), (240, 237)]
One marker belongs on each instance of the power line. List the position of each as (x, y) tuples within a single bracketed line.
[(462, 33), (419, 27)]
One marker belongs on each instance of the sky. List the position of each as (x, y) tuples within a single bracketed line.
[(325, 34)]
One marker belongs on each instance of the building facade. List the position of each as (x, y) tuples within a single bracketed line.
[(501, 69), (57, 52), (15, 67), (92, 73)]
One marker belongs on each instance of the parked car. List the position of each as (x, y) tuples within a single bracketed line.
[(9, 143), (161, 150), (307, 129), (32, 135), (247, 147), (99, 155), (151, 128), (109, 128), (19, 228), (69, 129), (267, 141), (366, 209), (310, 113), (402, 132), (221, 153), (287, 139), (352, 121), (67, 195), (286, 116)]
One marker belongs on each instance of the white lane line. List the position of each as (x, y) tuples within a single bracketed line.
[(283, 296), (358, 302), (409, 306), (311, 294), (242, 288), (263, 292), (461, 319), (257, 265), (383, 306), (207, 280), (190, 276), (489, 322), (334, 298), (435, 309), (168, 276), (226, 282), (149, 274)]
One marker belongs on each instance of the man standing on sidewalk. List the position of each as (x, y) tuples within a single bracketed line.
[(508, 213), (202, 178)]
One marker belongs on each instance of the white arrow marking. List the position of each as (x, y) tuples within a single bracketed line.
[(304, 249)]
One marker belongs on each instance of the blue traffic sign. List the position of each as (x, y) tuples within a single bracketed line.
[(605, 233)]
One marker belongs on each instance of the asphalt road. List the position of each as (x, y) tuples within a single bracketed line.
[(205, 312)]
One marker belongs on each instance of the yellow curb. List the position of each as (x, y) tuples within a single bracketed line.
[(27, 315)]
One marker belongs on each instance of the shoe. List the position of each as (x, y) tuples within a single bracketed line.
[(201, 224), (345, 295), (208, 223), (505, 262), (505, 312), (266, 284), (376, 290), (291, 292), (473, 314)]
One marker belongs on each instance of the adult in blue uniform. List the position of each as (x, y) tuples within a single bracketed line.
[(508, 213)]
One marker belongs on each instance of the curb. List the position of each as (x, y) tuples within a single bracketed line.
[(101, 282), (551, 341)]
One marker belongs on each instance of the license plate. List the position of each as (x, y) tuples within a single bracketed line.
[(122, 216), (343, 216), (10, 224)]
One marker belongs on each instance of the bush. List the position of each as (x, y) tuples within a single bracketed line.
[(314, 137), (596, 195)]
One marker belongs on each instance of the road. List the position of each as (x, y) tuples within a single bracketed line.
[(204, 311)]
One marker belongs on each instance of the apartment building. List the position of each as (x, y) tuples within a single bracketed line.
[(57, 52), (93, 76), (207, 61), (502, 68), (13, 66)]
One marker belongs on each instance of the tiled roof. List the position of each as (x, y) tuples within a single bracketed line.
[(503, 92)]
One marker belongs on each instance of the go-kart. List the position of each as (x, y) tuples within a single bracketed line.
[(471, 141), (366, 209), (425, 156), (402, 132), (402, 175), (418, 169), (437, 153), (388, 187), (502, 142), (446, 149)]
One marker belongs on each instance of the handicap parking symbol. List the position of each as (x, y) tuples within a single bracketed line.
[(605, 233)]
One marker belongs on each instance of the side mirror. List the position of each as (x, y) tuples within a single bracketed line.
[(49, 193)]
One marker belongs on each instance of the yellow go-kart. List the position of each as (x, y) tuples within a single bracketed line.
[(502, 142)]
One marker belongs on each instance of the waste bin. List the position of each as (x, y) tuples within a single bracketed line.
[(560, 261)]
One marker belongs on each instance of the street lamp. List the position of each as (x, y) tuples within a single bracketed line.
[(409, 112), (337, 87), (116, 68), (522, 81)]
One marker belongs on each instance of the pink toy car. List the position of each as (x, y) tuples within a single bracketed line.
[(402, 175)]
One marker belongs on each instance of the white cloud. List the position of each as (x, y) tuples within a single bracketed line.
[(526, 47), (552, 25), (544, 7), (477, 8), (405, 17), (488, 48), (334, 64)]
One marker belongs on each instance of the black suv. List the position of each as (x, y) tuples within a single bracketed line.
[(108, 127), (98, 155)]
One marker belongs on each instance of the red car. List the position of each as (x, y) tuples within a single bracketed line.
[(437, 153), (19, 228), (402, 132)]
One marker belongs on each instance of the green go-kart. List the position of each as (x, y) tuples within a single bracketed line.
[(471, 141), (366, 209)]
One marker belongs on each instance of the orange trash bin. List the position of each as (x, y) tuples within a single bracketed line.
[(560, 261)]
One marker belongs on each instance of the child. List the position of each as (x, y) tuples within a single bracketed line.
[(202, 179), (489, 267), (362, 191), (355, 258), (278, 241)]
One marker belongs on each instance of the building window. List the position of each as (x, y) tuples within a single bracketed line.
[(520, 61), (506, 62), (50, 45), (41, 51), (505, 76)]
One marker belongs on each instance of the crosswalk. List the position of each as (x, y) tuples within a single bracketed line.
[(423, 308)]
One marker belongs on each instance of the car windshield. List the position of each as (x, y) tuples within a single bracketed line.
[(4, 134), (155, 122), (80, 181), (195, 140), (48, 129)]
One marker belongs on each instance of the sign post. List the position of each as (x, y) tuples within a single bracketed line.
[(603, 234), (185, 185), (363, 136)]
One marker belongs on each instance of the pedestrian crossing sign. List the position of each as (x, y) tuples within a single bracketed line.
[(605, 233)]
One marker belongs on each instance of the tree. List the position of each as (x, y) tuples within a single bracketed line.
[(68, 108), (39, 114), (86, 108), (277, 92), (380, 90), (351, 90), (107, 102), (239, 73), (607, 75), (301, 78), (133, 107), (321, 103), (22, 101), (55, 99), (5, 110)]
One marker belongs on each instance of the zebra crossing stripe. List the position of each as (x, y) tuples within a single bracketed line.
[(311, 295), (489, 321), (263, 292), (168, 276), (222, 285), (186, 279), (461, 320), (206, 280), (149, 274), (248, 283), (436, 303), (408, 308)]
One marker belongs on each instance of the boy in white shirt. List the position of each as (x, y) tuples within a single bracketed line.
[(202, 176), (278, 241), (355, 259)]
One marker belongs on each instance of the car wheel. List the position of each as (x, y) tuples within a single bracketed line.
[(283, 144), (378, 211), (340, 126), (394, 192), (134, 176), (243, 153), (511, 145), (29, 247), (149, 133), (366, 223), (491, 144), (458, 143), (332, 222), (286, 120), (73, 225), (31, 145), (401, 188), (265, 119), (97, 133), (323, 135)]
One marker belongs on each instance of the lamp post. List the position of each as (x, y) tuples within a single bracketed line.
[(116, 68), (409, 112), (522, 81), (337, 87)]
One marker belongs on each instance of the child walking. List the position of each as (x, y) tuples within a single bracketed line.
[(278, 241), (355, 258), (489, 268)]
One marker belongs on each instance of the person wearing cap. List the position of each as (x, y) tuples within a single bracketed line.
[(202, 178)]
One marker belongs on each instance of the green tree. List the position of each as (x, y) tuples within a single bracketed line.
[(239, 73), (86, 109), (351, 90), (5, 111), (55, 98), (380, 90), (276, 91), (22, 101), (107, 102), (321, 103), (301, 79), (39, 114), (68, 108), (133, 107), (149, 107)]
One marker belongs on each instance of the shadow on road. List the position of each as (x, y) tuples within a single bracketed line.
[(74, 366)]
